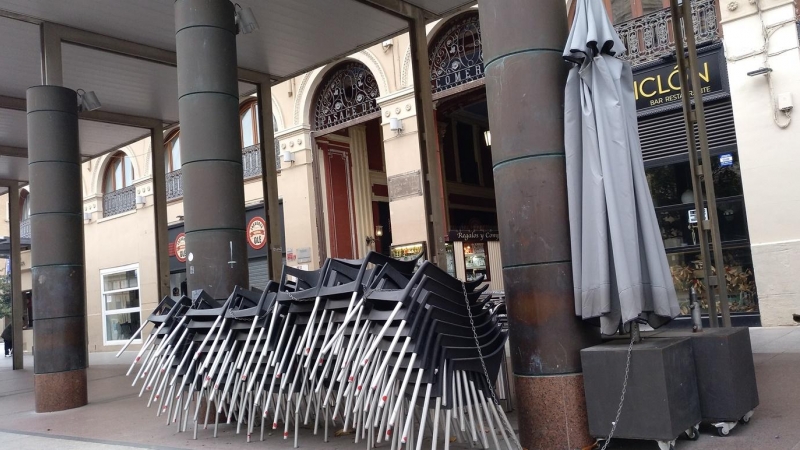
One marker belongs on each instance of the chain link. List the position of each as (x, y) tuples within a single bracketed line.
[(622, 397), (483, 365)]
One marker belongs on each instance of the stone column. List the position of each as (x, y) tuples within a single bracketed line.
[(57, 259), (213, 185), (525, 78)]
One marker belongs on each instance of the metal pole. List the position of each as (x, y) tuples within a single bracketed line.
[(211, 150), (16, 278), (426, 123), (700, 163), (269, 180), (160, 210)]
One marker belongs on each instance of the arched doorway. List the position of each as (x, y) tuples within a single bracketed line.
[(347, 130), (457, 82)]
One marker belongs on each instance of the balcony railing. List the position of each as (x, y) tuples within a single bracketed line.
[(251, 167), (25, 229), (174, 184), (650, 37), (119, 201), (251, 161)]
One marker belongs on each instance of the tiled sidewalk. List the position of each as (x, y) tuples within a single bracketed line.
[(116, 417)]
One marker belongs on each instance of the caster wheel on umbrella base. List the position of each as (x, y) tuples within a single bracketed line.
[(724, 428), (666, 445), (692, 433), (746, 418)]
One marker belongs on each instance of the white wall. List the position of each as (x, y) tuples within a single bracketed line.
[(769, 155)]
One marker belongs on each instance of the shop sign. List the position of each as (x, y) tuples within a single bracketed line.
[(661, 85), (473, 235), (726, 160), (304, 255), (180, 247), (257, 233)]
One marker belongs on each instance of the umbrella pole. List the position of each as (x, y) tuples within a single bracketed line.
[(701, 173)]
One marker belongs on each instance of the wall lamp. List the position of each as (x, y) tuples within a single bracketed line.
[(88, 101), (487, 136), (396, 125), (245, 19), (287, 156), (378, 230)]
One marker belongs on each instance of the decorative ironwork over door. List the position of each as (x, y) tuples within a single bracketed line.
[(456, 55), (347, 93)]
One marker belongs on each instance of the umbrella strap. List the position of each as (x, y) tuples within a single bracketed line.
[(622, 396)]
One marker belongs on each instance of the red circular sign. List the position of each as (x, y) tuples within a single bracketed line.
[(180, 247), (257, 233)]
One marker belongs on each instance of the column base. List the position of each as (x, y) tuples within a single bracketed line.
[(552, 412), (60, 390)]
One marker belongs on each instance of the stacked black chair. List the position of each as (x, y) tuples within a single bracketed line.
[(372, 346)]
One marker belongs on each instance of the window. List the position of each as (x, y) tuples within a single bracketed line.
[(456, 54), (119, 173), (249, 120), (250, 131), (172, 153), (122, 312), (347, 93), (624, 10)]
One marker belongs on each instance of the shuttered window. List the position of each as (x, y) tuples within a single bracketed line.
[(259, 276), (664, 135)]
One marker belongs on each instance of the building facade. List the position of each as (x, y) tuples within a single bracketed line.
[(349, 182)]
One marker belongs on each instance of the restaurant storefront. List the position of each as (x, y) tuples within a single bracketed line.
[(256, 251), (664, 149)]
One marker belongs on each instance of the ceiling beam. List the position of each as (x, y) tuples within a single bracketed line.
[(144, 52), (16, 152)]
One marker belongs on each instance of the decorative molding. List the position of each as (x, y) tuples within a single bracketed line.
[(299, 95), (406, 68), (371, 57)]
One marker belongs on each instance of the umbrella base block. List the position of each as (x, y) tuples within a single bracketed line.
[(661, 400), (726, 374)]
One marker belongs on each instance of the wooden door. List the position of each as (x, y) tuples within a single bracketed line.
[(341, 219)]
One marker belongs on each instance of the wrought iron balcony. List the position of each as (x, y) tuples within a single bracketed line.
[(25, 229), (648, 38), (251, 161), (119, 201), (174, 184), (251, 167)]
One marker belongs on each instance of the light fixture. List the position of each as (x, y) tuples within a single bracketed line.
[(378, 230), (287, 156), (759, 71), (395, 125), (139, 200), (487, 136), (87, 217), (245, 19), (88, 101), (687, 196)]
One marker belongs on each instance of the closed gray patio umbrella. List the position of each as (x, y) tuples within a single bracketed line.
[(620, 268)]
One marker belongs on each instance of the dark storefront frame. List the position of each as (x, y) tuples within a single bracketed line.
[(663, 138)]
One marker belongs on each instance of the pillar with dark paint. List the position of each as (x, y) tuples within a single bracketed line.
[(57, 259), (525, 78), (211, 150)]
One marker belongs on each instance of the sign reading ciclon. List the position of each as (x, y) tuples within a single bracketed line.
[(257, 233), (180, 247), (661, 85)]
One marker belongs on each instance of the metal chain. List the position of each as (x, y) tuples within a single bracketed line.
[(622, 397), (483, 364)]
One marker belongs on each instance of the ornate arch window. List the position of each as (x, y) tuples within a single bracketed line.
[(172, 153), (119, 173), (119, 192), (456, 55), (347, 92)]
